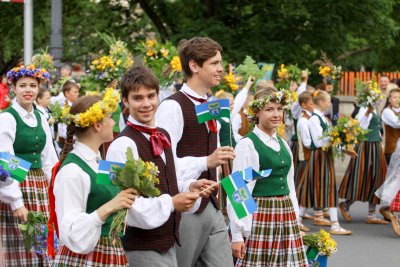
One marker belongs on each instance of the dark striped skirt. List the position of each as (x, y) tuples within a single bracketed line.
[(294, 147), (34, 191), (318, 183), (395, 205), (364, 174), (275, 238), (298, 175), (105, 254)]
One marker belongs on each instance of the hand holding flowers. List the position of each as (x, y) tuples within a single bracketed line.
[(321, 241)]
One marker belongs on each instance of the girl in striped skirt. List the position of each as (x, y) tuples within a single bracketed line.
[(26, 136), (319, 183), (271, 236), (85, 209), (365, 173)]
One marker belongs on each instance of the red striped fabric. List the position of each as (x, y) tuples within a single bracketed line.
[(13, 1)]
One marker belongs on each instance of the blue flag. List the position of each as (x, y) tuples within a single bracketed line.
[(17, 167), (250, 175), (107, 171), (212, 110)]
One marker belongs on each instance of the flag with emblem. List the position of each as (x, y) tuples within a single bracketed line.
[(239, 195), (107, 171), (213, 110), (17, 167), (249, 174)]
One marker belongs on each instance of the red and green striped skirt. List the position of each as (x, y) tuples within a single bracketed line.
[(318, 183), (395, 205), (275, 239), (299, 175), (105, 254), (364, 174), (34, 191)]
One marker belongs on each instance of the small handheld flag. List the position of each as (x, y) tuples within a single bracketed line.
[(239, 195), (17, 167), (212, 110), (250, 175), (107, 171)]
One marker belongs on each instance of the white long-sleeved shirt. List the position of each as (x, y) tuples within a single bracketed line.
[(7, 138), (303, 131), (364, 120), (390, 118), (296, 108), (10, 193), (236, 125), (246, 155), (316, 129)]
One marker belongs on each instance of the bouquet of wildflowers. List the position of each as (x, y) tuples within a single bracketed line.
[(3, 174), (139, 175), (288, 75), (163, 59), (44, 60), (35, 232), (229, 83), (321, 241), (327, 70), (344, 136), (368, 93)]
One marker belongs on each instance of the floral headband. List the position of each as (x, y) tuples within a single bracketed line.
[(283, 97), (95, 113), (30, 71)]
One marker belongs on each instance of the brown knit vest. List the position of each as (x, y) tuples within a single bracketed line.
[(164, 237), (391, 137), (245, 127), (196, 141)]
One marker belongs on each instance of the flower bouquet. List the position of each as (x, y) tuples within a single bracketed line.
[(163, 59), (229, 83), (44, 60), (368, 93), (139, 175), (287, 76), (320, 246), (327, 70), (344, 136), (35, 232)]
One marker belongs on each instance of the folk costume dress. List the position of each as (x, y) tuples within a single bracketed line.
[(151, 237), (318, 189), (304, 143), (367, 172), (27, 136), (191, 143), (272, 232), (85, 238), (390, 118)]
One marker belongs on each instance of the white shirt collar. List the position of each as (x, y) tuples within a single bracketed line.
[(396, 109), (264, 136), (23, 113), (132, 120), (186, 89), (86, 152), (41, 109), (308, 112), (318, 112)]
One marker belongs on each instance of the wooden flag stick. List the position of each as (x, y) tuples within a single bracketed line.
[(210, 187)]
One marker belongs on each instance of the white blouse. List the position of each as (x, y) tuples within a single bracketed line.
[(247, 156), (316, 129), (390, 118), (303, 131), (7, 136)]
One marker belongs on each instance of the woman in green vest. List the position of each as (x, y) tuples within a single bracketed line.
[(25, 133), (366, 173), (84, 208), (271, 235)]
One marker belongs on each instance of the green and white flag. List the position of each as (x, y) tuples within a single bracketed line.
[(17, 167), (107, 171), (213, 110)]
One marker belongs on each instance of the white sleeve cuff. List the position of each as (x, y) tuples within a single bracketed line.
[(16, 204), (237, 238), (204, 163), (94, 217)]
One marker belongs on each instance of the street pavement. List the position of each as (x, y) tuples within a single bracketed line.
[(368, 246)]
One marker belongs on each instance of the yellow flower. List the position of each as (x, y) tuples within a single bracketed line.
[(151, 42), (164, 52), (176, 64), (150, 53), (325, 71)]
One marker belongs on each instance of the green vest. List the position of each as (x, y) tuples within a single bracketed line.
[(374, 128), (280, 162), (116, 116), (324, 128), (99, 194), (29, 141), (225, 134)]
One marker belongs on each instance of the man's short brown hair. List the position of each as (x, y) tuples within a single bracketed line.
[(305, 97), (198, 49), (135, 77)]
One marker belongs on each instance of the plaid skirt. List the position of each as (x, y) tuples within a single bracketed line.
[(34, 191), (364, 174), (275, 236), (105, 254), (395, 206), (318, 184)]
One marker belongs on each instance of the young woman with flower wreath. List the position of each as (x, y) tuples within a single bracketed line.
[(271, 236), (85, 209), (27, 136), (318, 182)]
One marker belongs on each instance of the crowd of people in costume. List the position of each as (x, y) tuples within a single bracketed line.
[(190, 223)]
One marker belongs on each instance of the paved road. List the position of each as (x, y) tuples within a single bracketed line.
[(369, 246)]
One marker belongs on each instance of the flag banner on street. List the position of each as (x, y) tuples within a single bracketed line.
[(250, 175), (17, 167), (239, 195), (213, 110), (107, 171)]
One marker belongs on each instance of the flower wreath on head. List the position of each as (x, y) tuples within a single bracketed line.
[(282, 96), (95, 113), (28, 71)]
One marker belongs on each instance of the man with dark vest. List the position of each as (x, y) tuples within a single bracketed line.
[(203, 235), (155, 221)]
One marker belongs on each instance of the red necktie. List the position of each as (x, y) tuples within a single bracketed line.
[(212, 125), (158, 140)]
